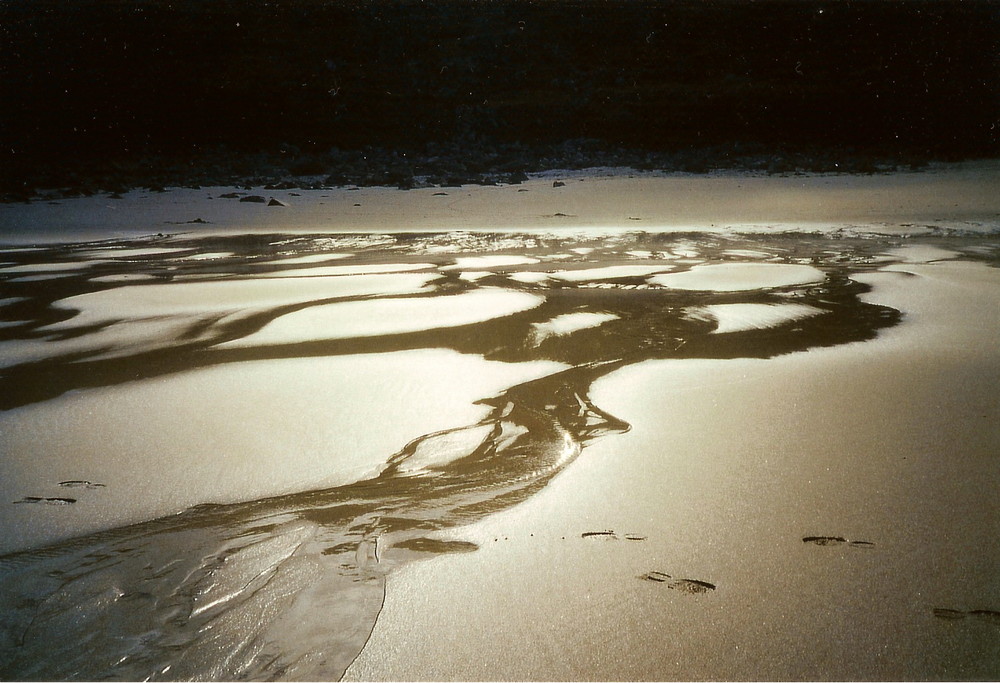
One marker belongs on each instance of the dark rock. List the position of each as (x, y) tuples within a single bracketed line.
[(230, 195), (558, 183), (253, 198), (275, 202)]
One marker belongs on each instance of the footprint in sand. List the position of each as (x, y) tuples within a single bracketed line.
[(683, 585), (836, 540), (989, 615), (611, 535), (80, 484), (38, 500)]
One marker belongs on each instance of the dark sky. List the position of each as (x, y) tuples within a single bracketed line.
[(106, 79)]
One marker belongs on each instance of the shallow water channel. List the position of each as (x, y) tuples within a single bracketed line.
[(215, 449)]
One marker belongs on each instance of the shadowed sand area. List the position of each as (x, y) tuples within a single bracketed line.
[(618, 454)]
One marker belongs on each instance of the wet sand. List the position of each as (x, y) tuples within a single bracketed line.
[(241, 453), (945, 196), (729, 466)]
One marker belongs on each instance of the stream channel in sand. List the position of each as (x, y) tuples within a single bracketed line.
[(215, 448)]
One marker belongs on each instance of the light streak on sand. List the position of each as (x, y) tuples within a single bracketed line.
[(388, 316), (734, 277)]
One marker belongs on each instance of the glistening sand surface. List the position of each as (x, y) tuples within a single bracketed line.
[(729, 465), (952, 195), (698, 455)]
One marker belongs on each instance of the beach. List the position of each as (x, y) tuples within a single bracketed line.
[(596, 425)]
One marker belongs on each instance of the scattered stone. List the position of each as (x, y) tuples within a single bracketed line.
[(230, 195), (275, 202), (253, 198), (558, 183)]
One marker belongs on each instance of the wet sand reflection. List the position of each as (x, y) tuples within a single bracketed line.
[(291, 586)]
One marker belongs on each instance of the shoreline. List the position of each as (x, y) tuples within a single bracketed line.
[(945, 198)]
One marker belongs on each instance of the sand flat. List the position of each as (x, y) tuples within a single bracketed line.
[(808, 516), (308, 258), (231, 432), (609, 272), (950, 195), (568, 323), (491, 261), (357, 269), (741, 317), (800, 455), (355, 319), (111, 252), (190, 298), (50, 267), (733, 277)]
